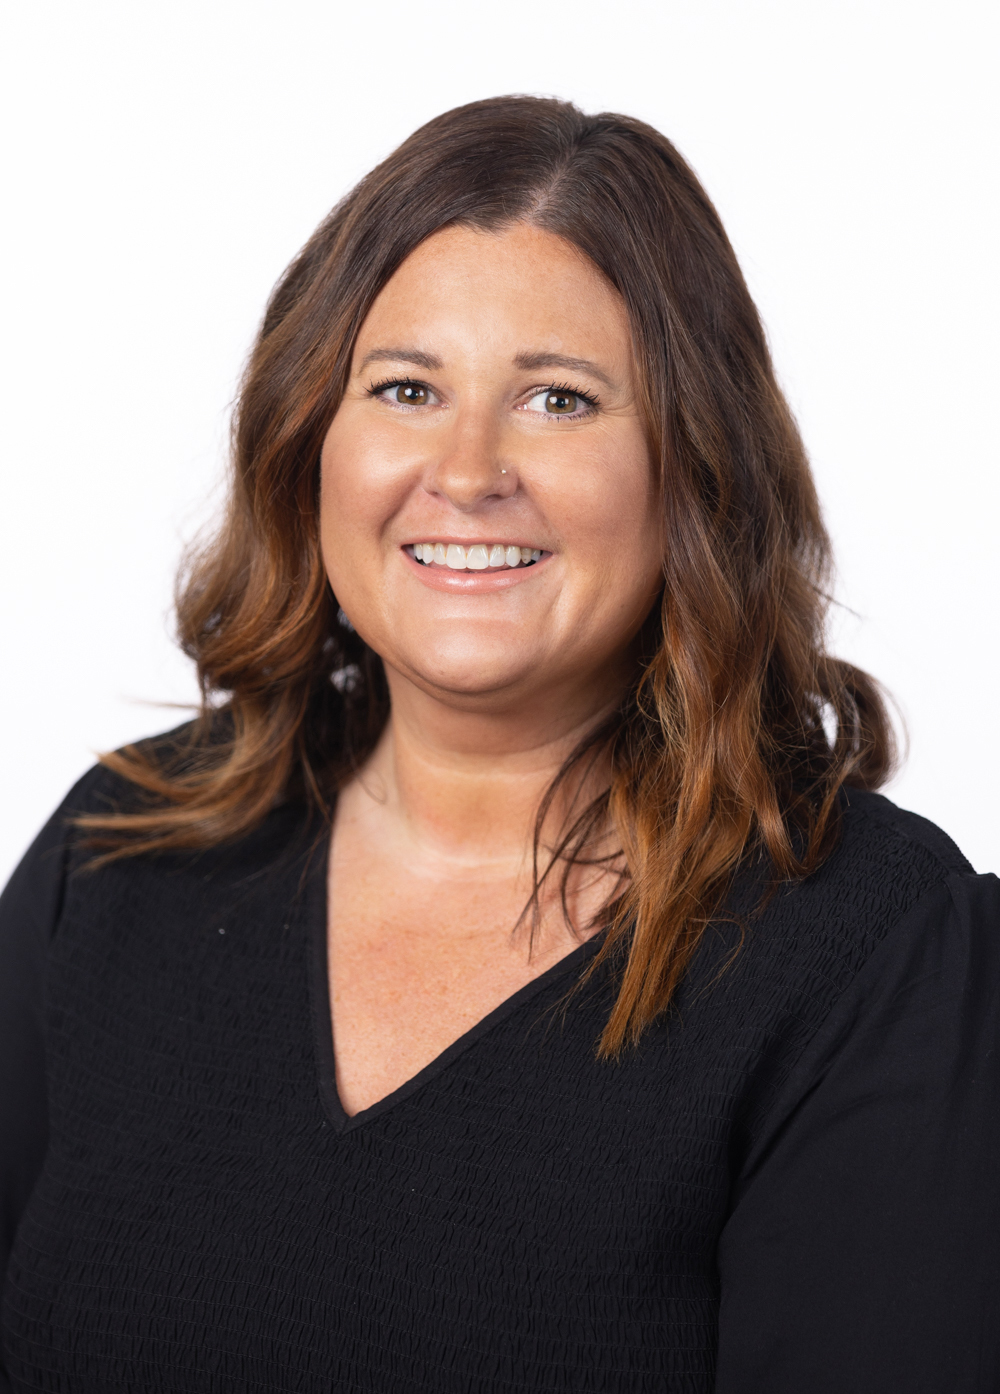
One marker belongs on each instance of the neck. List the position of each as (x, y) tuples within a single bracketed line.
[(465, 785)]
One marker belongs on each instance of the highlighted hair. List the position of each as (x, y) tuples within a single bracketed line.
[(740, 729)]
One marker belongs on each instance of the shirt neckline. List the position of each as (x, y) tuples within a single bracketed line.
[(316, 915)]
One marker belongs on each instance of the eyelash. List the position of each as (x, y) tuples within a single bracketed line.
[(589, 399), (377, 388)]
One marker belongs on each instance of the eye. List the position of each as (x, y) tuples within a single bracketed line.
[(411, 394), (561, 401), (404, 394)]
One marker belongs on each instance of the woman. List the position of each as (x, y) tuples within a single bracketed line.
[(510, 981)]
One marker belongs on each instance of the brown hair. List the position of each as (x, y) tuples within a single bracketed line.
[(740, 731)]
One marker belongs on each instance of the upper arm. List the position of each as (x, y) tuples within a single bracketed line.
[(863, 1250), (29, 910)]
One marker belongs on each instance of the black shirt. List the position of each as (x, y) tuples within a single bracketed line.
[(789, 1187)]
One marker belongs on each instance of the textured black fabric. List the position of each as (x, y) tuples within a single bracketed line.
[(790, 1187)]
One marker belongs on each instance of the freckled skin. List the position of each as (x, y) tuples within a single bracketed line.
[(493, 678)]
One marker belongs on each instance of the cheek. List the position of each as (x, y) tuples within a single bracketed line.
[(349, 514), (608, 506), (626, 542), (359, 490)]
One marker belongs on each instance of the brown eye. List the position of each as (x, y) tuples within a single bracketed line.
[(411, 394), (559, 403)]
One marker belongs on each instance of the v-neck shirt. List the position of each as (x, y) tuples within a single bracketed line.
[(789, 1185)]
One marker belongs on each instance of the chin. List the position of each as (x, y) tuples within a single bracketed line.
[(470, 670), (471, 682)]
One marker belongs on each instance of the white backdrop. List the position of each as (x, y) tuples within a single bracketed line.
[(166, 161)]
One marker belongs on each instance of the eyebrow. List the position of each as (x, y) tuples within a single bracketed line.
[(533, 361), (528, 362), (401, 355)]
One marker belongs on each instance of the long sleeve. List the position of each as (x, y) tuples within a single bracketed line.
[(862, 1254), (29, 911)]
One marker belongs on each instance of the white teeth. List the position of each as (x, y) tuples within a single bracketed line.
[(479, 557)]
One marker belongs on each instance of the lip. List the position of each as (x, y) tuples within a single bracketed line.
[(440, 578)]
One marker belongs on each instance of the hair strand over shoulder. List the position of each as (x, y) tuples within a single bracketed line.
[(740, 729)]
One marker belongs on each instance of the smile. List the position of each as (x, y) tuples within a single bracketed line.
[(480, 556)]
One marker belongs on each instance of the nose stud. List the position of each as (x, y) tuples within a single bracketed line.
[(503, 471)]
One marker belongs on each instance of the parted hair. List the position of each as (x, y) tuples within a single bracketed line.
[(739, 731)]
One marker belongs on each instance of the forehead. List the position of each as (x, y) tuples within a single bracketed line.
[(516, 289)]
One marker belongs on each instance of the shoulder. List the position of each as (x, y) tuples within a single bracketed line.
[(33, 895), (882, 969), (873, 817), (107, 788), (891, 877), (894, 921), (886, 862), (32, 899), (920, 912), (37, 883), (103, 790)]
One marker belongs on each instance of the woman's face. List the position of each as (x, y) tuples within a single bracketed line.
[(490, 419)]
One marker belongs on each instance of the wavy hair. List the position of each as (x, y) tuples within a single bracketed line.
[(740, 729)]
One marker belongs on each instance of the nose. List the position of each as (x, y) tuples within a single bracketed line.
[(469, 468)]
